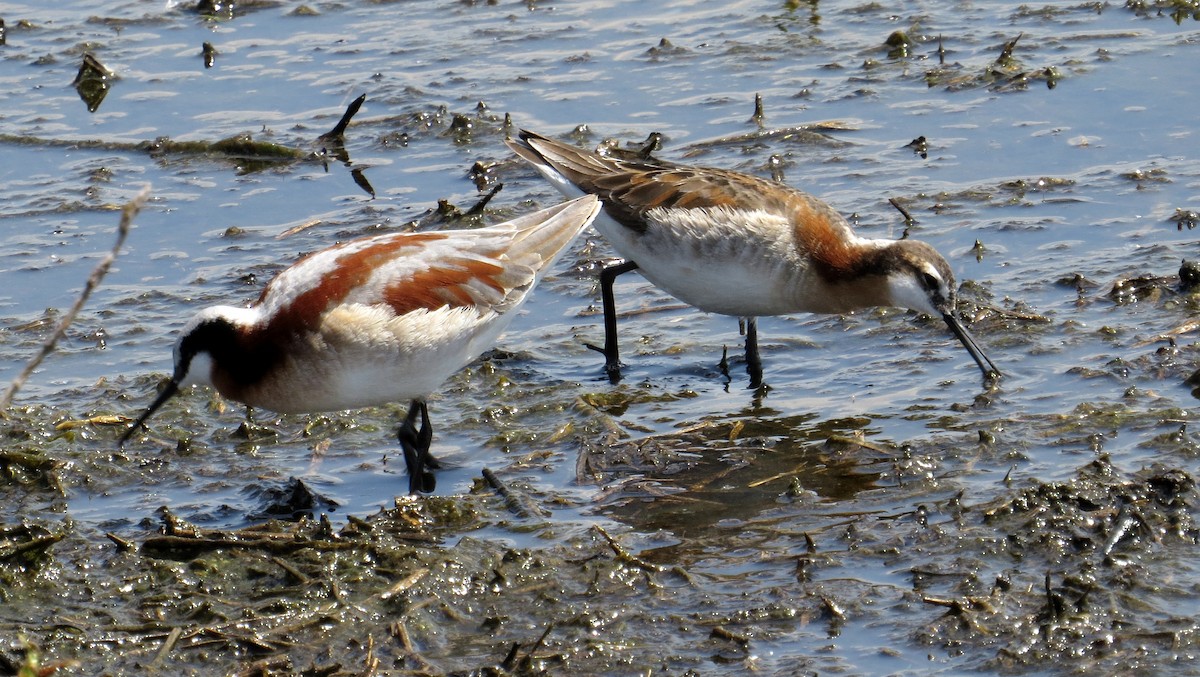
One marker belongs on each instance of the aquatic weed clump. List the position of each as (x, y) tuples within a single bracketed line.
[(1086, 583)]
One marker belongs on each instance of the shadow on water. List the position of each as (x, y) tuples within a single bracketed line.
[(725, 472)]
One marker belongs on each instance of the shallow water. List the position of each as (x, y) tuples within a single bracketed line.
[(1067, 189)]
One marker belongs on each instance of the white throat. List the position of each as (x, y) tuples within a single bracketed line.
[(199, 372), (906, 292)]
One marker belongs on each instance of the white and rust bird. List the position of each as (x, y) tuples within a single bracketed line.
[(375, 320), (735, 244)]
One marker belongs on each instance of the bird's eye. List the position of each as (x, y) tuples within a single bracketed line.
[(930, 281)]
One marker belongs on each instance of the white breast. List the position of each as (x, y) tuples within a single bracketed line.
[(720, 260), (364, 355)]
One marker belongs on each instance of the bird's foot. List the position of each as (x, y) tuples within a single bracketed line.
[(612, 363), (415, 442), (756, 377)]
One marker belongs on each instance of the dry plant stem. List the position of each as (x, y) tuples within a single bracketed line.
[(167, 647), (128, 212), (908, 219), (516, 501), (624, 555)]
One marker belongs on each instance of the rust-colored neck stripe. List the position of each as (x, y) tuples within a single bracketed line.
[(822, 234)]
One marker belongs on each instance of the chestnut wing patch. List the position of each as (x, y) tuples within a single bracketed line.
[(452, 282), (436, 275)]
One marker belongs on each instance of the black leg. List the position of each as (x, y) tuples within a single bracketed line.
[(415, 443), (753, 360), (612, 358)]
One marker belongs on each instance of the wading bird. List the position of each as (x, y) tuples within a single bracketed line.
[(374, 320), (735, 244)]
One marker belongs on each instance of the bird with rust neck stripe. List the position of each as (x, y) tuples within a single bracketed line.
[(375, 320), (736, 244)]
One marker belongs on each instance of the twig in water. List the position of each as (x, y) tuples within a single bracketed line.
[(721, 632), (758, 118), (516, 501), (527, 661), (128, 212), (403, 584), (122, 544), (340, 128), (266, 666), (167, 647), (624, 555), (510, 660), (652, 143), (371, 662), (908, 219), (292, 571), (478, 208)]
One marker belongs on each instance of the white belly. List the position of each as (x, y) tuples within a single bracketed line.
[(744, 268), (361, 357)]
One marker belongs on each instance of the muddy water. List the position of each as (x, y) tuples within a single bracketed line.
[(877, 510)]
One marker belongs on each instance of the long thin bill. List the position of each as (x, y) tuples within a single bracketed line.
[(988, 367), (166, 394)]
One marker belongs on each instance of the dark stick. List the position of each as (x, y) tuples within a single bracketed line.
[(340, 128), (908, 219), (484, 200)]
